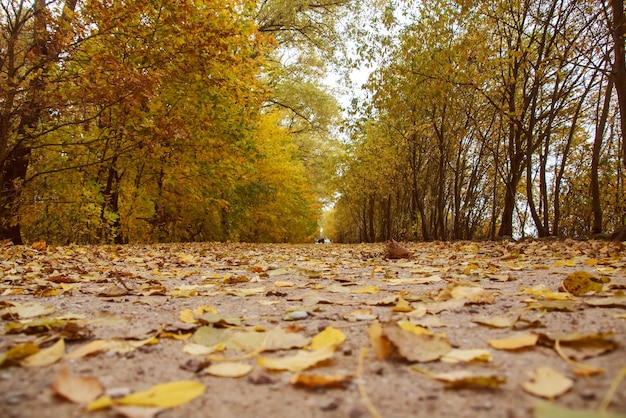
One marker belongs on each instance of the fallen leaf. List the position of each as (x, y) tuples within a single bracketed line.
[(328, 337), (415, 329), (402, 305), (228, 369), (164, 395), (474, 295), (565, 263), (413, 347), (495, 322), (547, 383), (77, 389), (46, 356), (395, 250), (19, 352), (515, 342), (25, 310), (298, 362), (414, 280), (320, 380), (607, 302), (466, 356), (202, 350), (117, 345), (545, 293), (382, 346), (366, 290), (466, 379), (581, 282), (130, 411)]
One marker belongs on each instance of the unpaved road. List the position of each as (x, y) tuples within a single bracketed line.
[(132, 293)]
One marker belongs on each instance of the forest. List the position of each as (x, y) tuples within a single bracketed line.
[(242, 120)]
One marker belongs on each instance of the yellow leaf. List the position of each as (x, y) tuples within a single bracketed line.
[(100, 403), (76, 389), (187, 316), (367, 289), (467, 379), (26, 310), (175, 336), (495, 322), (228, 369), (202, 350), (204, 309), (547, 383), (415, 329), (544, 292), (476, 295), (565, 263), (515, 342), (116, 345), (402, 306), (382, 346), (329, 337), (581, 282), (320, 380), (19, 352), (416, 347), (466, 356), (45, 357), (283, 284), (164, 395), (298, 362)]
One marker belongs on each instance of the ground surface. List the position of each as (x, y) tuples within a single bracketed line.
[(152, 310)]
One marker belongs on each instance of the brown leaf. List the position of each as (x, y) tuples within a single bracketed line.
[(394, 250), (412, 347), (76, 389)]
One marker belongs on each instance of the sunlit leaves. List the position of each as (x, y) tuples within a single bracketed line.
[(164, 395)]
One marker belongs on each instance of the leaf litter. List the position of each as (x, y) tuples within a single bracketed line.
[(325, 330)]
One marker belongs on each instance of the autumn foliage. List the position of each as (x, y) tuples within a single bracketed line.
[(145, 121)]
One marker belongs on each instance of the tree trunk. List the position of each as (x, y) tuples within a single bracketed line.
[(14, 170), (618, 31), (595, 160)]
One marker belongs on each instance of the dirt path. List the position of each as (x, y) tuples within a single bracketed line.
[(166, 313)]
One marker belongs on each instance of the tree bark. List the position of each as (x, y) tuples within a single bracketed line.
[(595, 160), (618, 32)]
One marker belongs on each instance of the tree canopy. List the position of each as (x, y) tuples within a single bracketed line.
[(206, 120)]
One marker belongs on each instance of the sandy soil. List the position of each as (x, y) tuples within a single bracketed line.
[(132, 292)]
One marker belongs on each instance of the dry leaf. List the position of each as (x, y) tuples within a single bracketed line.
[(395, 250), (367, 289), (164, 395), (412, 347), (320, 380), (466, 379), (46, 356), (515, 342), (495, 322), (77, 389), (298, 362), (228, 369), (402, 305), (475, 295), (328, 337), (382, 346), (581, 282), (547, 383), (466, 356)]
